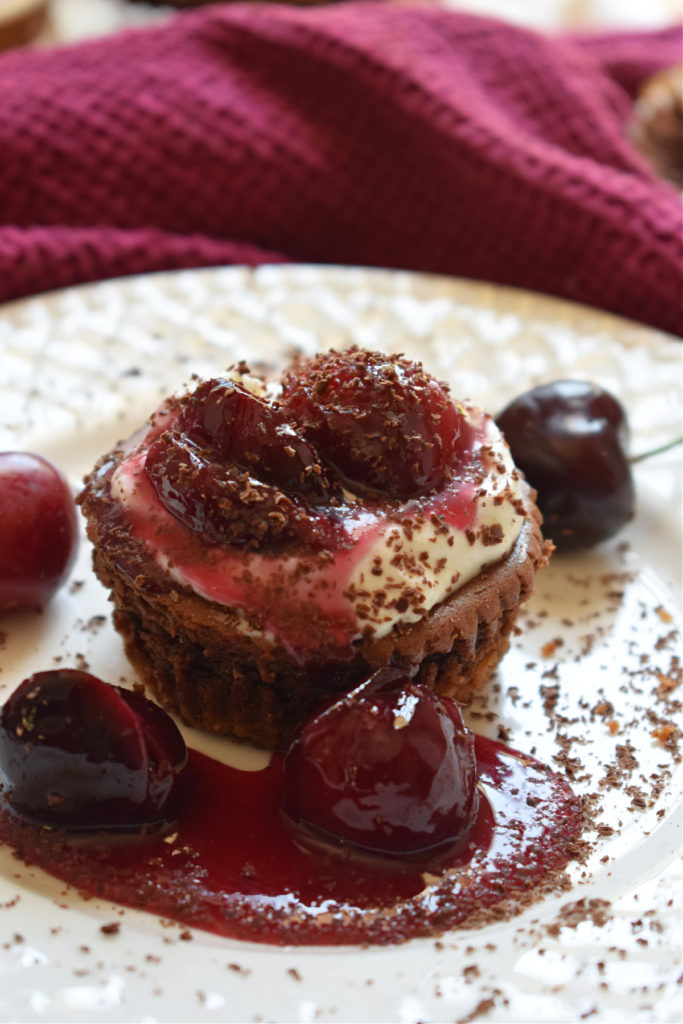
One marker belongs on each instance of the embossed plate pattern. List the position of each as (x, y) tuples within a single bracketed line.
[(593, 674)]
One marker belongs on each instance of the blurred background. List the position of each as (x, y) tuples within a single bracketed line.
[(48, 21)]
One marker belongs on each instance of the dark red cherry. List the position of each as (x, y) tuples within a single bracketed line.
[(241, 428), (392, 772), (224, 503), (38, 531), (569, 438), (382, 421), (78, 754), (233, 469)]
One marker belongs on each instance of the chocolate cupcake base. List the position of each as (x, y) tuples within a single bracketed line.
[(198, 661)]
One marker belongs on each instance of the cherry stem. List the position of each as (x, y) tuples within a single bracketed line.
[(656, 451)]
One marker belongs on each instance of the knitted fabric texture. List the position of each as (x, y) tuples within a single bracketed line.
[(359, 133)]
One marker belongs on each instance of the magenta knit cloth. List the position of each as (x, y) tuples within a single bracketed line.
[(359, 133)]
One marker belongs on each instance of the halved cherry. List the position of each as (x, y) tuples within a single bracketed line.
[(234, 470), (240, 428), (78, 754), (381, 420)]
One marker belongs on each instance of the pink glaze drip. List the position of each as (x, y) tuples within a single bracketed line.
[(253, 581)]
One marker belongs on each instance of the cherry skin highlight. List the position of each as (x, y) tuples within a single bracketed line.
[(383, 422), (78, 754), (38, 531), (569, 438), (391, 772)]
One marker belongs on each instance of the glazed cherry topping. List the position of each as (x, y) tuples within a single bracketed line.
[(383, 422), (38, 531), (569, 438), (234, 469), (78, 754), (392, 771), (238, 426)]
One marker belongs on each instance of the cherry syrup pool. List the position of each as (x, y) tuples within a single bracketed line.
[(234, 866)]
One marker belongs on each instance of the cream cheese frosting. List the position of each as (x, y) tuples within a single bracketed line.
[(398, 561)]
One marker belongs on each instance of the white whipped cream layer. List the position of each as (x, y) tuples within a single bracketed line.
[(398, 564), (405, 573)]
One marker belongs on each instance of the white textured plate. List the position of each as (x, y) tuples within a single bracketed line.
[(586, 683)]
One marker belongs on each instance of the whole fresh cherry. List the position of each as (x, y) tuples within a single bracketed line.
[(570, 438), (78, 754), (38, 531), (391, 772)]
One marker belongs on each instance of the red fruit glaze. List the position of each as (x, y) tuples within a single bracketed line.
[(237, 426), (243, 471), (393, 772), (38, 531), (79, 754), (232, 469), (383, 422), (234, 867)]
